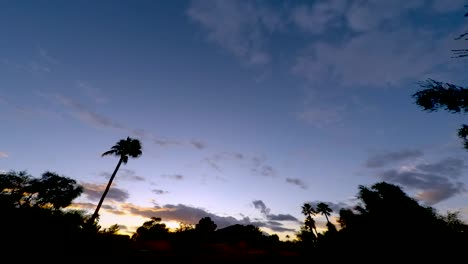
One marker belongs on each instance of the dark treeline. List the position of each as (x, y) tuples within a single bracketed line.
[(385, 225)]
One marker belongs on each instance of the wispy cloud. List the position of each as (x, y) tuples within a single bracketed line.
[(321, 16), (174, 176), (158, 191), (260, 167), (45, 56), (94, 192), (94, 93), (124, 174), (298, 182), (382, 159), (3, 154), (240, 27), (197, 144)]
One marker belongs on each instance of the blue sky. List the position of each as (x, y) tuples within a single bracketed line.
[(245, 109)]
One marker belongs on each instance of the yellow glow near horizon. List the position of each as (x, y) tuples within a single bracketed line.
[(172, 225)]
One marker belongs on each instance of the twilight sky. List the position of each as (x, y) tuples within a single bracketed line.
[(245, 109)]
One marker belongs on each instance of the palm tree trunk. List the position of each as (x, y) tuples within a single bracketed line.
[(96, 212), (326, 218)]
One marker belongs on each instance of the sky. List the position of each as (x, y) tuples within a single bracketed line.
[(245, 110)]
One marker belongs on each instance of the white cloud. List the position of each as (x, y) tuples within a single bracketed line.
[(3, 154)]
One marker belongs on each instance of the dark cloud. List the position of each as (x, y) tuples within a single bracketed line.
[(259, 204), (156, 191), (124, 174), (281, 217), (432, 187), (383, 159), (94, 192), (434, 182), (297, 182), (452, 167), (336, 207)]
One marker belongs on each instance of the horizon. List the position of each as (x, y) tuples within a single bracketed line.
[(245, 109)]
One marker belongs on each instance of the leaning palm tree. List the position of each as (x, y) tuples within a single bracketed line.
[(124, 148), (324, 209)]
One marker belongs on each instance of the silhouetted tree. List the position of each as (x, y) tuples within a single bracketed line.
[(206, 225), (308, 210), (123, 149), (19, 189), (437, 95), (324, 209), (151, 230)]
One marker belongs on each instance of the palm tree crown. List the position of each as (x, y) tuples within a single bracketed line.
[(324, 209), (125, 148)]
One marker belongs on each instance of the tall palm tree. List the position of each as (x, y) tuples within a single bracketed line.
[(123, 149), (324, 209), (308, 210)]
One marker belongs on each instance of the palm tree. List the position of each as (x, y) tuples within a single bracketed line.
[(124, 148), (308, 210), (324, 209)]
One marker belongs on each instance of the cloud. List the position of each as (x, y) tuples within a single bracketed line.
[(434, 182), (3, 154), (167, 142), (370, 33), (444, 6), (259, 167), (336, 207), (321, 115), (260, 205), (44, 55), (198, 144), (352, 62), (181, 213), (281, 217), (382, 159), (94, 192), (157, 191), (318, 17), (124, 174), (91, 92), (368, 15), (174, 176), (192, 215), (297, 182), (88, 116), (239, 27)]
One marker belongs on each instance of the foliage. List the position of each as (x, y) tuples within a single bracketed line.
[(19, 189), (437, 95), (151, 230)]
